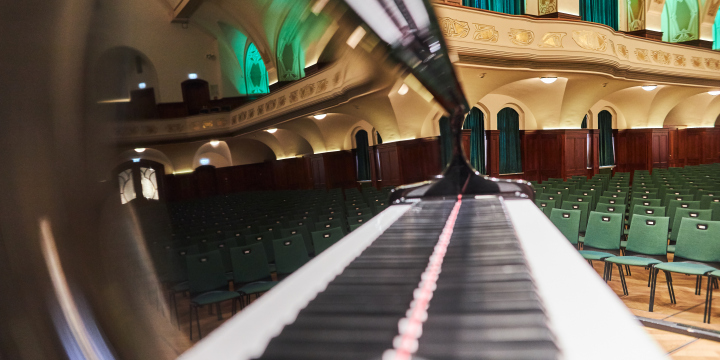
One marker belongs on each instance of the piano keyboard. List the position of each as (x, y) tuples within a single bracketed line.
[(349, 302)]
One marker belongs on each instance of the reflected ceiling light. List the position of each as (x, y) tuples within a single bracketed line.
[(548, 79), (649, 87), (192, 76), (403, 89), (214, 143), (319, 116), (714, 92), (139, 150), (272, 131), (204, 161), (356, 36), (136, 159)]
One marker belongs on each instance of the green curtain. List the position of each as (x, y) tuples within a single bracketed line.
[(607, 153), (445, 141), (508, 122), (379, 138), (476, 123), (362, 155), (512, 7), (600, 11), (584, 123)]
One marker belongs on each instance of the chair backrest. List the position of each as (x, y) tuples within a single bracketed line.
[(361, 219), (584, 209), (206, 272), (681, 214), (681, 197), (610, 200), (290, 254), (616, 194), (698, 240), (604, 231), (552, 196), (583, 198), (715, 207), (223, 246), (266, 238), (546, 205), (322, 225), (648, 235), (177, 257), (674, 204), (325, 238), (299, 230), (568, 222), (610, 209), (249, 263), (360, 212), (705, 200), (644, 202)]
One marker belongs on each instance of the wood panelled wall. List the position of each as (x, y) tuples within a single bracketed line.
[(545, 154)]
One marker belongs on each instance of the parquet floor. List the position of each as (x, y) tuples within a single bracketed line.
[(688, 310)]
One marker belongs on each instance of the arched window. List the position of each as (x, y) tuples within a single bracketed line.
[(512, 7), (584, 122), (475, 122), (379, 138), (716, 32), (607, 142), (139, 174), (362, 155), (600, 11), (256, 77), (508, 123), (680, 21)]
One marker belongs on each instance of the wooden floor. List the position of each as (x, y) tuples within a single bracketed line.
[(688, 311)]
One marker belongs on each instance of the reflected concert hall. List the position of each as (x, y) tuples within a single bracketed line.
[(360, 180)]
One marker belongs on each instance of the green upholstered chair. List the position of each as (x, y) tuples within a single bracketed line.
[(568, 222)]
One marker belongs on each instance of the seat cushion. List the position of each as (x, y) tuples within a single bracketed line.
[(685, 268), (212, 297), (273, 268), (671, 248), (632, 260), (595, 255), (181, 287), (257, 287), (623, 244)]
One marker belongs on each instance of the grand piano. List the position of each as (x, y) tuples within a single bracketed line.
[(459, 267)]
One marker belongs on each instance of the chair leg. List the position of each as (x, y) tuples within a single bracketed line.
[(191, 316), (697, 284), (197, 318), (627, 270), (609, 271), (173, 301), (622, 279), (708, 300), (653, 275), (219, 312), (671, 290)]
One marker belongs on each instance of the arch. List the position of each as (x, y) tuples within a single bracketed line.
[(716, 32), (607, 141), (508, 120), (354, 129), (120, 70), (232, 65), (475, 122), (249, 151), (149, 154), (680, 21), (255, 72), (520, 112), (218, 155), (635, 11)]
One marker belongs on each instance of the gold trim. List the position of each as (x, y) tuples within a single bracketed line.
[(552, 40), (521, 37)]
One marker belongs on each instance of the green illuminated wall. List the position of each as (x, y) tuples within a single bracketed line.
[(680, 21)]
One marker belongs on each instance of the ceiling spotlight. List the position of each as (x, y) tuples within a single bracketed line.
[(204, 161), (136, 160), (403, 89), (319, 116), (192, 76), (139, 150), (142, 85), (548, 79), (649, 87), (714, 92), (272, 131), (214, 143)]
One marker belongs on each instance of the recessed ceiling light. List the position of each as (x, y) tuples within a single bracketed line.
[(403, 89), (139, 150), (192, 76), (272, 131), (136, 159), (204, 161), (142, 85), (714, 92), (214, 143), (649, 87), (319, 116), (548, 79)]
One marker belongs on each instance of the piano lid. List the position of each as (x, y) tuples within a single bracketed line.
[(411, 31)]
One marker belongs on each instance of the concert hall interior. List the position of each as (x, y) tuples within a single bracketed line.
[(360, 179)]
